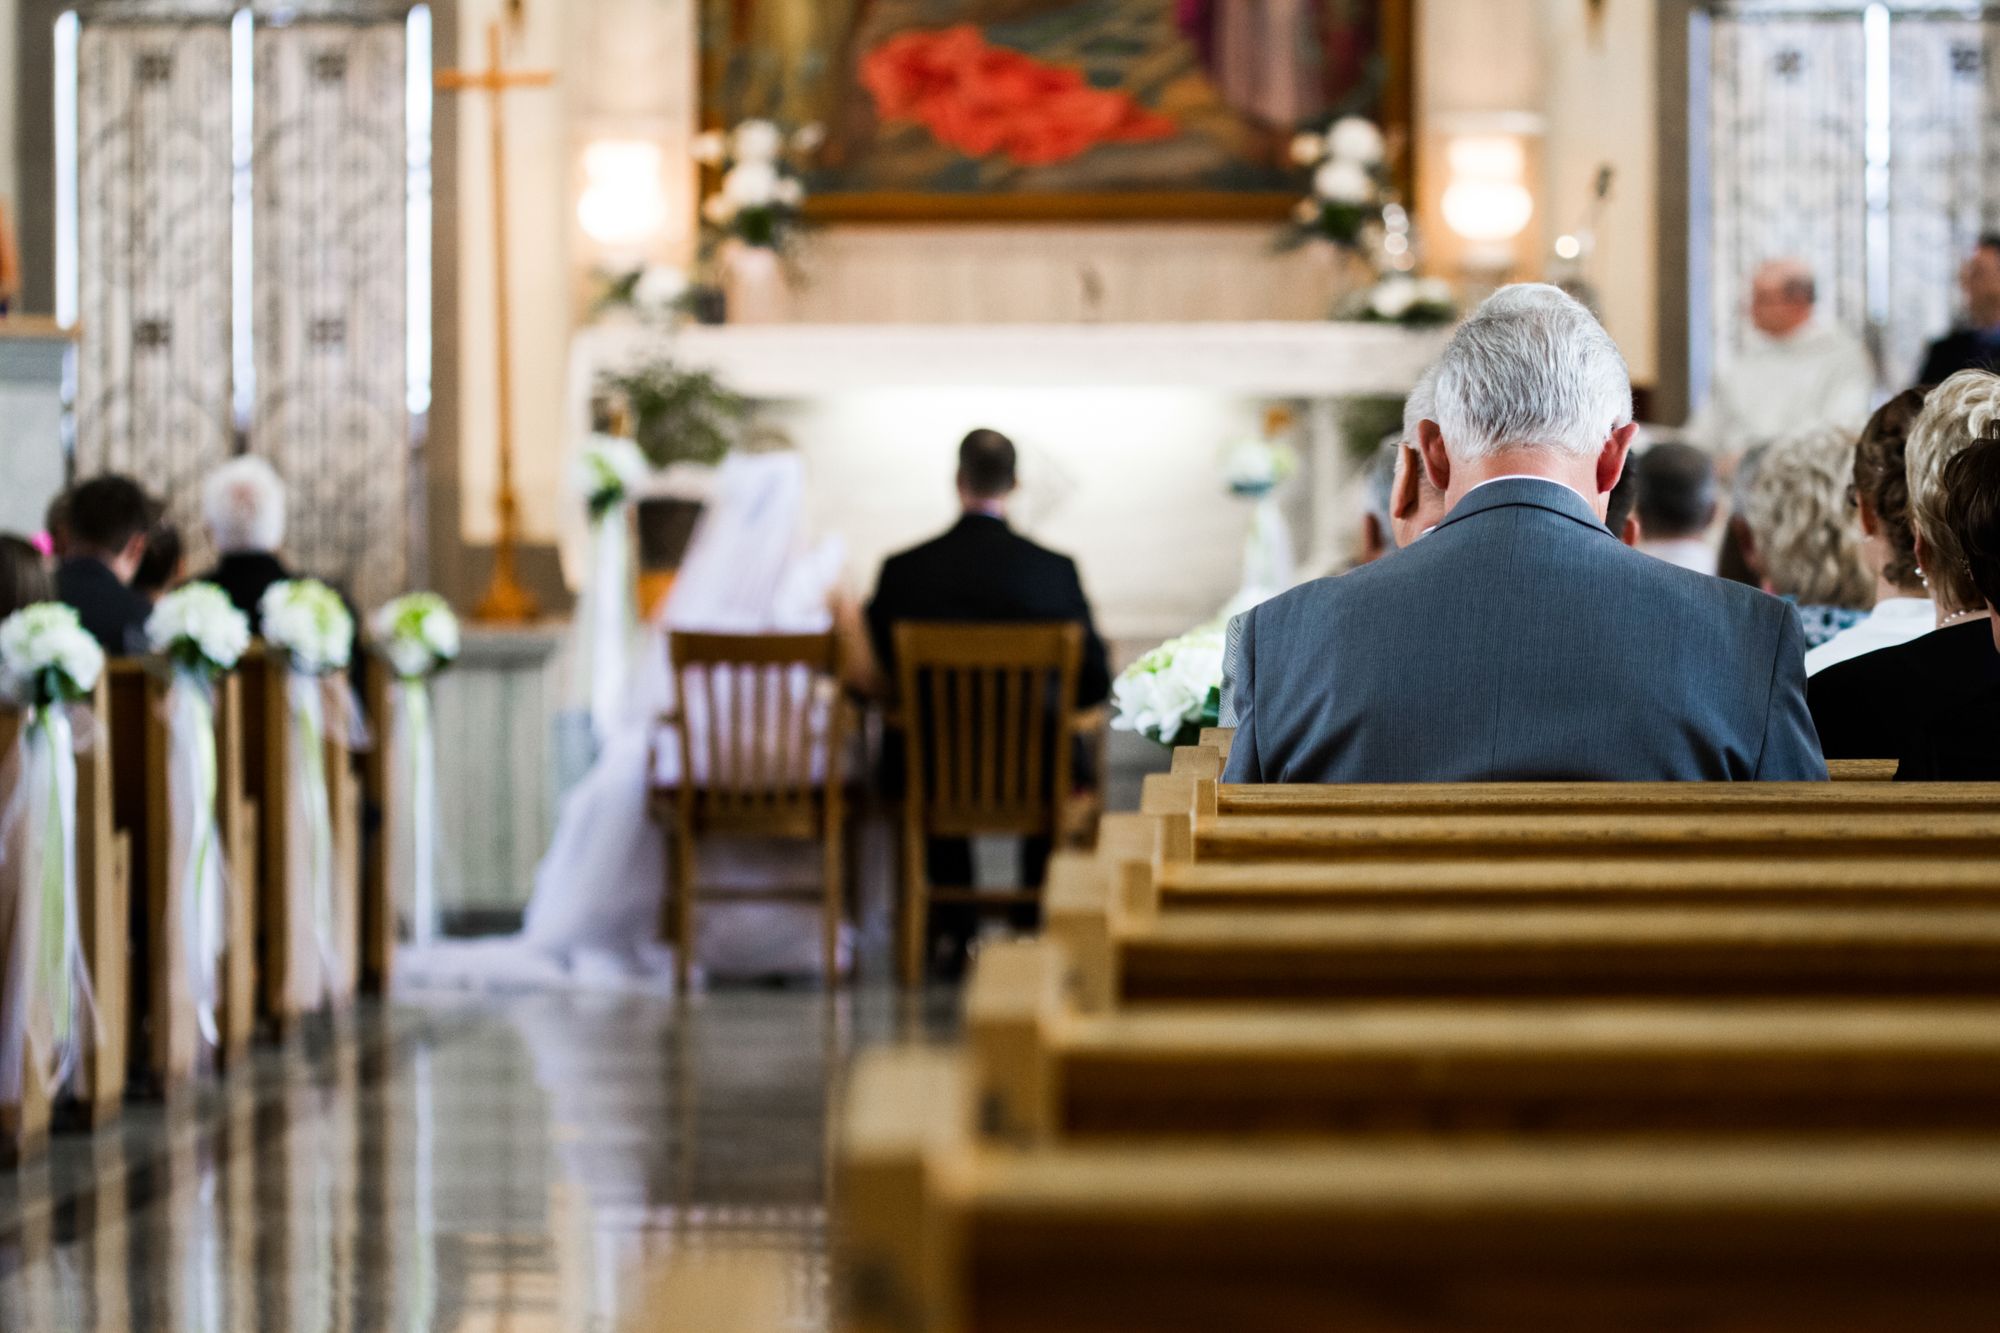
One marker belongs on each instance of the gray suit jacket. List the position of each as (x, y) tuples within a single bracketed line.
[(1520, 640)]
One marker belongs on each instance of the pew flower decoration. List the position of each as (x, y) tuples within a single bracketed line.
[(47, 660), (419, 635), (1349, 184), (760, 195), (607, 471), (308, 622), (1171, 693), (47, 657), (202, 633), (199, 629)]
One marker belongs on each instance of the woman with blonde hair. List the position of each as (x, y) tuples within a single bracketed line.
[(1873, 706), (1796, 536)]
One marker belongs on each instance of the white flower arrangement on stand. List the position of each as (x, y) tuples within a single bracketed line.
[(47, 662), (608, 472), (1349, 184), (1174, 691), (200, 631), (307, 622), (1400, 298), (419, 636), (753, 216), (658, 294)]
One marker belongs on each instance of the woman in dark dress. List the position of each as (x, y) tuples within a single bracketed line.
[(1961, 742), (1881, 705)]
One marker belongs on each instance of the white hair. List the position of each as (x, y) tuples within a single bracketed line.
[(1421, 405), (1532, 369), (243, 503)]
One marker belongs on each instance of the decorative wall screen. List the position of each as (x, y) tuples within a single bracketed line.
[(330, 277), (153, 255), (1862, 138), (297, 195)]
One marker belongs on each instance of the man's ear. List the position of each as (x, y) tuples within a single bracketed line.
[(1437, 463), (135, 550), (1631, 534), (1611, 459), (1407, 486)]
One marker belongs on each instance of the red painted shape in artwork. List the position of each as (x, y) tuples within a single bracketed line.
[(984, 100)]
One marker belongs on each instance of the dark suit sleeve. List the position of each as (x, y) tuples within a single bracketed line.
[(881, 616), (1243, 765), (1935, 356), (1791, 744), (1093, 682)]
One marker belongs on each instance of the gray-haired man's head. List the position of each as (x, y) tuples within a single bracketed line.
[(1532, 369)]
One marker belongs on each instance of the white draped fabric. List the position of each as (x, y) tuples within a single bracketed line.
[(598, 892)]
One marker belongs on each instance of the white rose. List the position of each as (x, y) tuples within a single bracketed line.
[(1353, 139), (709, 148), (78, 656), (1308, 150), (808, 138), (1393, 297), (756, 141), (751, 184), (658, 288), (790, 192), (1344, 182)]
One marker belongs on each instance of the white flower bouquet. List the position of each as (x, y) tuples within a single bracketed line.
[(1349, 183), (657, 293), (607, 470), (47, 657), (419, 634), (1171, 693), (1398, 298), (759, 195), (309, 623), (200, 629)]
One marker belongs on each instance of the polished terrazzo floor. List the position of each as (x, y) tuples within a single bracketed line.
[(548, 1162)]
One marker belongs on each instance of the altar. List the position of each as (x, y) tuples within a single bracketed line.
[(1122, 429)]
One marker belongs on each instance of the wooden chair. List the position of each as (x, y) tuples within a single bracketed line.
[(988, 727), (940, 1232), (1046, 1069), (776, 769)]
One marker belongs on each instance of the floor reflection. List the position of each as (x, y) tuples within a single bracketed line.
[(539, 1162)]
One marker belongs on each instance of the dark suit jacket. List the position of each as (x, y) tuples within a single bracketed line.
[(112, 612), (1880, 705), (1520, 640), (1956, 743), (982, 570), (246, 576), (1961, 349)]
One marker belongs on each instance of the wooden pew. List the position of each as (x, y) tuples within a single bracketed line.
[(237, 816), (938, 1231), (1045, 1069), (378, 902), (103, 880), (268, 738)]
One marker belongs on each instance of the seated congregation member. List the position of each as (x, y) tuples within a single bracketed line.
[(1975, 344), (1959, 740), (243, 506), (108, 518), (24, 575), (1520, 639), (981, 570), (1881, 498), (1870, 707), (165, 565), (1621, 517), (1677, 504), (1796, 536)]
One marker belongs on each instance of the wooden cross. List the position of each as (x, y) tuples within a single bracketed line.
[(506, 600)]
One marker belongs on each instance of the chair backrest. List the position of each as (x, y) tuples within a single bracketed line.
[(759, 734), (988, 724)]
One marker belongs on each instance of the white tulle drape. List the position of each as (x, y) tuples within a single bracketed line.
[(413, 796), (194, 845)]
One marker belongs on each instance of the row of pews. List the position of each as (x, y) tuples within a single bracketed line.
[(1537, 1056), (144, 1040)]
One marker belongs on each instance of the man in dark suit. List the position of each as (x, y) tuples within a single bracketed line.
[(108, 518), (243, 504), (1977, 345), (981, 570), (1520, 640)]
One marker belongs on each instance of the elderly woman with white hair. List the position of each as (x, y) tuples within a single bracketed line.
[(243, 505), (1876, 706), (1795, 532)]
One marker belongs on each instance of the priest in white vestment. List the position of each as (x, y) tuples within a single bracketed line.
[(1794, 372)]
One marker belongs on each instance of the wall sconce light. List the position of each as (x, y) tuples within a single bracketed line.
[(1487, 202), (624, 203)]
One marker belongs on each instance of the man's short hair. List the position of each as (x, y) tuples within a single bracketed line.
[(1795, 281), (107, 512), (986, 464), (1972, 509), (243, 503), (1676, 485), (1532, 368)]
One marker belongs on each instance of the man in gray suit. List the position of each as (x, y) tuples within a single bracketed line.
[(1520, 640)]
